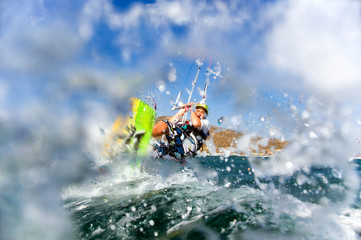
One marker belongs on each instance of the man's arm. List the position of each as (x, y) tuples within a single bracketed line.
[(176, 116), (184, 109), (196, 121), (162, 128)]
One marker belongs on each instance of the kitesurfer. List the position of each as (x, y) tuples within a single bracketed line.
[(184, 138)]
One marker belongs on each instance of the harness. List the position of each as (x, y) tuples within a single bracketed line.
[(182, 140)]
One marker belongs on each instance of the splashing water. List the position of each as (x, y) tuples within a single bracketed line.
[(213, 197), (67, 70)]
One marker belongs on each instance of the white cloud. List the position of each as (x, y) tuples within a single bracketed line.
[(37, 48), (91, 12), (165, 12), (31, 43), (129, 19), (203, 25), (318, 41)]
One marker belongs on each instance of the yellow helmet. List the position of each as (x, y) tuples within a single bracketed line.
[(204, 106)]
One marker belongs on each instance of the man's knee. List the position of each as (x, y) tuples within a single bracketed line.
[(159, 129)]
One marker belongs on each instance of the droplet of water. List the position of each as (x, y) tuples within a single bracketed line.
[(305, 115), (293, 108), (312, 135), (161, 88), (289, 164)]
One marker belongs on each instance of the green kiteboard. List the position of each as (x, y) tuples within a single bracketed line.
[(132, 134)]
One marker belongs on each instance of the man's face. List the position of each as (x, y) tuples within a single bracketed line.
[(201, 113)]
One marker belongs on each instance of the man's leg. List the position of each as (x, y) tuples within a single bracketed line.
[(159, 129)]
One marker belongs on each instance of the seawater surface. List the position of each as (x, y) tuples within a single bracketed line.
[(212, 197)]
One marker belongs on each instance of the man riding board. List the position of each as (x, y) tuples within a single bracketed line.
[(183, 138)]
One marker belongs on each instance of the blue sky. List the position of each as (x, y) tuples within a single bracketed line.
[(271, 56)]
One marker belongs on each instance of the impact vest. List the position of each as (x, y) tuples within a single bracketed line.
[(197, 135), (183, 140)]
